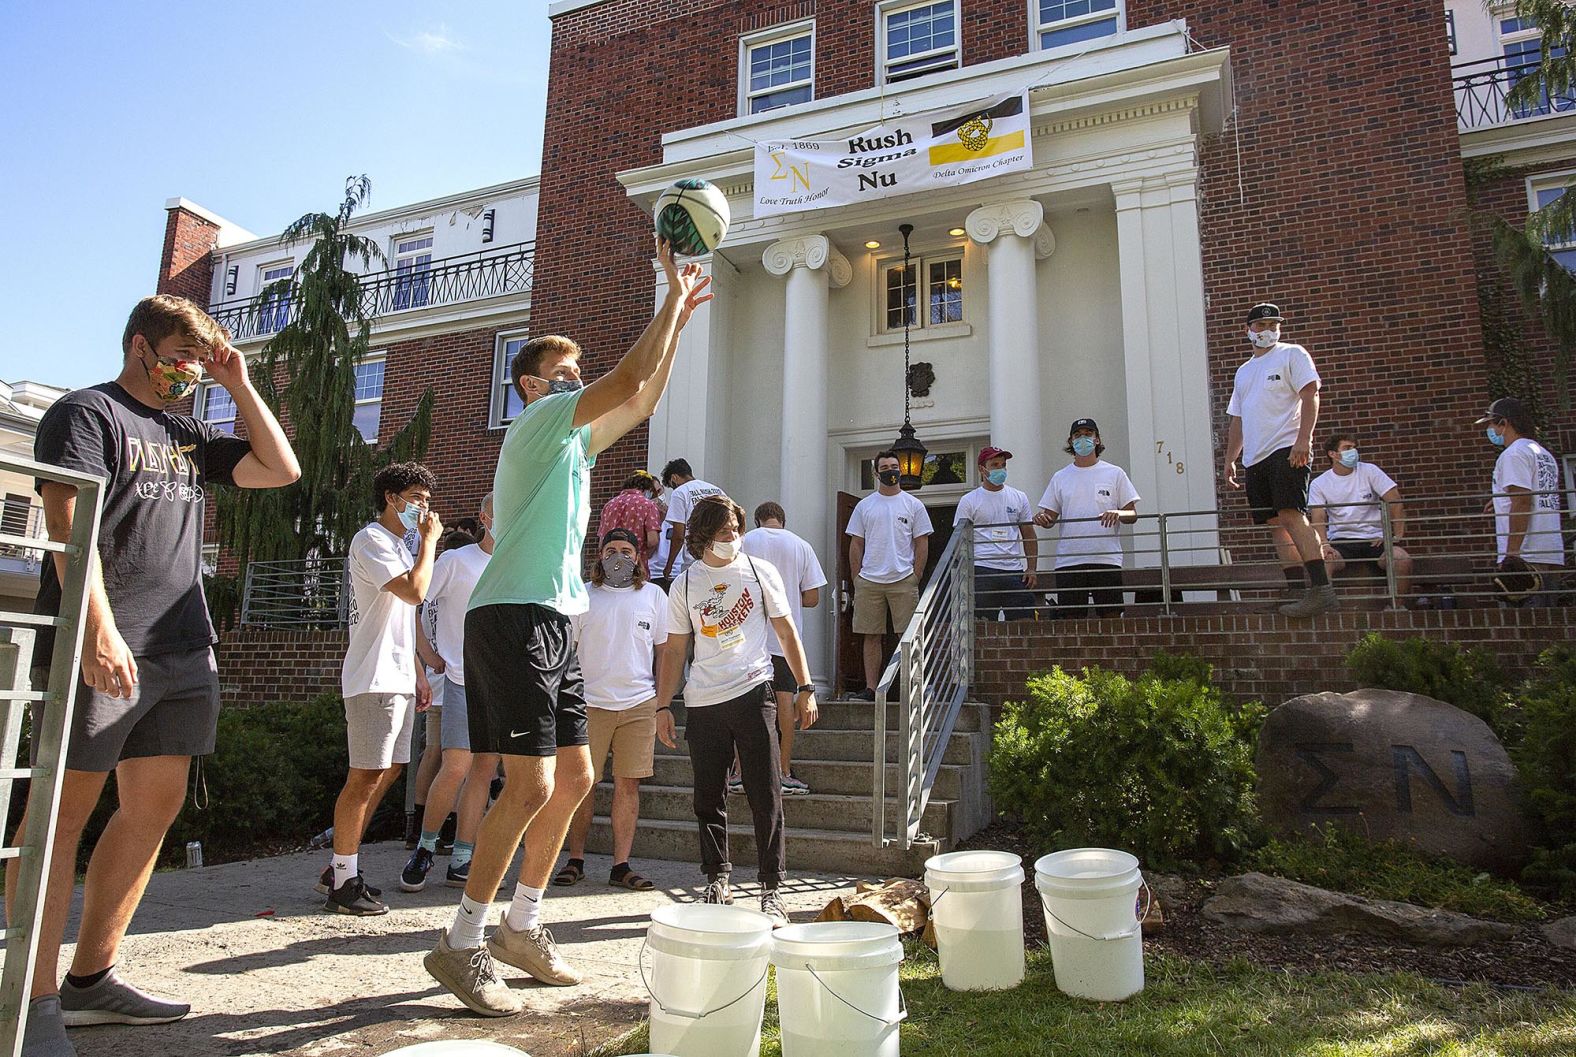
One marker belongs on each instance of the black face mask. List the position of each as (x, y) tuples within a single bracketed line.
[(889, 477)]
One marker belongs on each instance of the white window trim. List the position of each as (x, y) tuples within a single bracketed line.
[(933, 494), (210, 559), (500, 375), (200, 409), (1543, 181), (921, 328), (1035, 28), (773, 35), (887, 8), (395, 240), (373, 357)]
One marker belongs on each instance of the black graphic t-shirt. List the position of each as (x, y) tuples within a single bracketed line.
[(156, 466)]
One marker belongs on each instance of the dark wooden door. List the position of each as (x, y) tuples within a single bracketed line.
[(850, 675)]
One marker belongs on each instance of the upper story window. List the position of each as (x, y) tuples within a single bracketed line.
[(1522, 45), (506, 402), (216, 407), (369, 398), (939, 289), (1059, 22), (915, 39), (1542, 190), (412, 262), (274, 312), (777, 68)]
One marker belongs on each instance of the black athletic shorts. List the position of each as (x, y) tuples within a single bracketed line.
[(783, 681), (523, 687), (1359, 550), (1273, 485)]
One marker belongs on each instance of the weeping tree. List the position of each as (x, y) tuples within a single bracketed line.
[(307, 375)]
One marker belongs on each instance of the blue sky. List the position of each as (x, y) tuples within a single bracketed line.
[(258, 114)]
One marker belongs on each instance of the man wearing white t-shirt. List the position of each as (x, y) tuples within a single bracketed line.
[(684, 489), (889, 543), (1006, 550), (803, 579), (381, 680), (1344, 506), (617, 640), (727, 599), (1274, 408), (1092, 499), (1526, 504)]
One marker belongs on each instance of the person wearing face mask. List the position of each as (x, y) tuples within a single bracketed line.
[(1344, 502), (148, 696), (1274, 408), (1092, 499), (1006, 550), (617, 639), (381, 682), (684, 491), (1530, 550), (726, 600), (889, 543)]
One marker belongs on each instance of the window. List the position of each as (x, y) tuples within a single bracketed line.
[(1543, 191), (14, 515), (210, 559), (1522, 47), (369, 398), (778, 68), (506, 402), (412, 262), (1059, 22), (1450, 30), (942, 294), (917, 39), (942, 468), (216, 407), (273, 312)]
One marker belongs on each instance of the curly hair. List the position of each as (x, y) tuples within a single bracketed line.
[(707, 519), (398, 476)]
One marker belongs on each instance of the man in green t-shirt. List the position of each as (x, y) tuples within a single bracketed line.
[(522, 678)]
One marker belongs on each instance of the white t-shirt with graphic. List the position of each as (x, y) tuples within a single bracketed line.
[(795, 561), (454, 577), (1005, 510), (889, 525), (1079, 492), (1527, 464), (1365, 484), (616, 640), (726, 609), (681, 503), (1267, 397), (381, 657)]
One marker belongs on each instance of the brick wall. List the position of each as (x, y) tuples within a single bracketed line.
[(258, 666), (1255, 655), (186, 264)]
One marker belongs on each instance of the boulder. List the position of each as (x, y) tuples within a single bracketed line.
[(1256, 902), (1561, 933), (1392, 766)]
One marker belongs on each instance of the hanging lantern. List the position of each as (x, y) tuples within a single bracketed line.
[(908, 449)]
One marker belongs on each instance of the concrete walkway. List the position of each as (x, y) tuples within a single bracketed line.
[(268, 972)]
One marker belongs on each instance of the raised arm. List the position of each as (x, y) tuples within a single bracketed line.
[(412, 586), (272, 462)]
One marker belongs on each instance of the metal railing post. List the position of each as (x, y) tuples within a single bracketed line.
[(1387, 527), (1165, 567), (246, 594)]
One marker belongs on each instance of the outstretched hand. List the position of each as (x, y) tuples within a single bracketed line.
[(694, 286)]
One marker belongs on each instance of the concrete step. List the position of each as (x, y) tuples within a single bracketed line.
[(854, 746), (817, 811), (845, 714), (841, 777), (828, 851)]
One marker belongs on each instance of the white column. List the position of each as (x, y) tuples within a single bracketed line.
[(1015, 236), (691, 420), (813, 266)]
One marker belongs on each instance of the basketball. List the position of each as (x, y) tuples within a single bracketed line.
[(693, 216)]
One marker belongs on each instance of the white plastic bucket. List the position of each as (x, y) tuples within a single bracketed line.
[(708, 979), (1090, 915), (976, 904), (837, 988)]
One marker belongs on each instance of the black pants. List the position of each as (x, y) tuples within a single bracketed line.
[(1076, 585), (747, 724), (1001, 590)]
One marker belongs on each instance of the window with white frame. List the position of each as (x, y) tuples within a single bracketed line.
[(210, 559), (1543, 190), (216, 407), (934, 282), (1061, 22), (916, 39), (777, 68), (1522, 46), (412, 262), (274, 312), (369, 398), (506, 401)]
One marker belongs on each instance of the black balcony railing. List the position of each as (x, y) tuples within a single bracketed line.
[(1483, 91), (452, 280)]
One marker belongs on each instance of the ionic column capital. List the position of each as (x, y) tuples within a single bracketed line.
[(808, 251), (1023, 217)]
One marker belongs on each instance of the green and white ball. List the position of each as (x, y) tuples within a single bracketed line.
[(693, 216)]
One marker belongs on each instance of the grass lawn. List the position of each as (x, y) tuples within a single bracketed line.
[(1189, 1009)]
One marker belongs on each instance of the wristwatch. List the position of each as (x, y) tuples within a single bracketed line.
[(807, 688)]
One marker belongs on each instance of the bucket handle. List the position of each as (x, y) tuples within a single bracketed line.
[(640, 960), (1149, 899), (902, 1013)]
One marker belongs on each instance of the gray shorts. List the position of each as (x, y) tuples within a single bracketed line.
[(377, 728), (173, 710), (456, 730)]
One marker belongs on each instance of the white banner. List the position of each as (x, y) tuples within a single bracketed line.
[(941, 148)]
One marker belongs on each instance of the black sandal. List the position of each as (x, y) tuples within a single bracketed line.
[(631, 880), (571, 874)]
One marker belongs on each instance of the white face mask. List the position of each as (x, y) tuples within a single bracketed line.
[(727, 550), (1265, 339)]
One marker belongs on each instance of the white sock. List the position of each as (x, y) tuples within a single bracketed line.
[(344, 869), (525, 912), (470, 923)]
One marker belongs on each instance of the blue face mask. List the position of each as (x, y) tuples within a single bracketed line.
[(1350, 457), (1083, 446), (410, 517), (997, 477), (1495, 437)]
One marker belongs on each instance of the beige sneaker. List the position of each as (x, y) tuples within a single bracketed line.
[(469, 973), (534, 951)]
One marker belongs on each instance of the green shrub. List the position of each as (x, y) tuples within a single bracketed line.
[(1469, 679), (1158, 767), (1338, 859), (1546, 760)]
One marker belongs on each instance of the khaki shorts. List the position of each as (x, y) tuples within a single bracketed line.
[(631, 734), (873, 601), (378, 728)]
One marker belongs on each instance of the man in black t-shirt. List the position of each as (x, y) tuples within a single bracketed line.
[(149, 696)]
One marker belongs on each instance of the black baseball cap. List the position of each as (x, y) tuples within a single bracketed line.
[(627, 535), (1264, 310), (1083, 423), (1508, 408)]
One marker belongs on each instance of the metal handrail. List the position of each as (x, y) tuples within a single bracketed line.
[(935, 656), (32, 530), (450, 280), (311, 593), (1482, 90), (36, 843)]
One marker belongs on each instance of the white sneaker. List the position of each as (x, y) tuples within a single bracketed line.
[(793, 787), (533, 950)]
